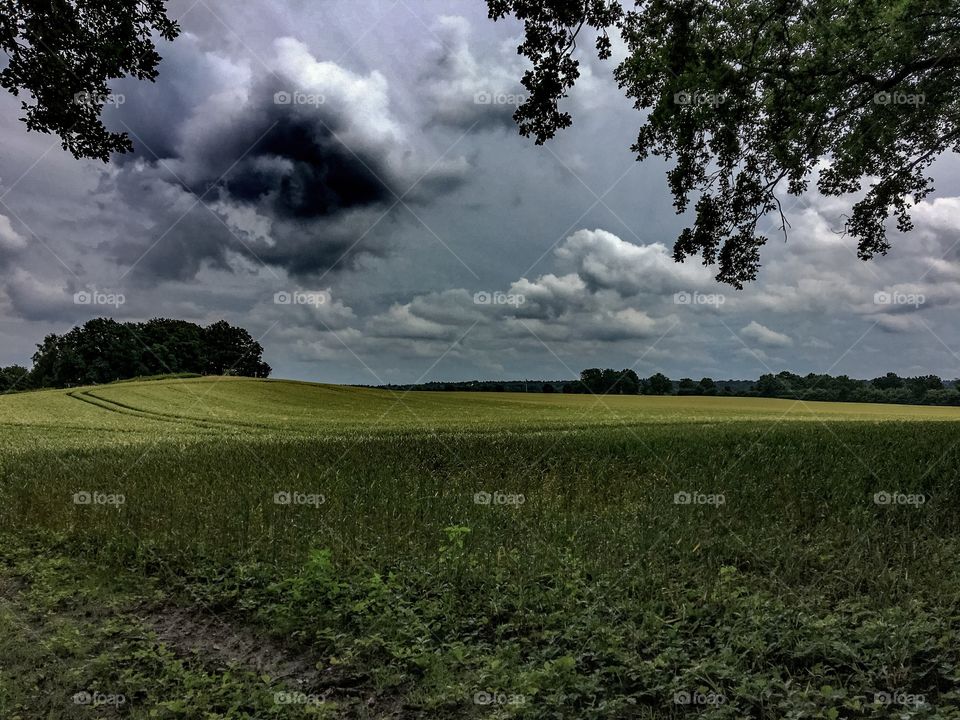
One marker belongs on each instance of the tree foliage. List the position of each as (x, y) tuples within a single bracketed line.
[(62, 53), (758, 98), (13, 378), (104, 350), (609, 382), (659, 384), (890, 388)]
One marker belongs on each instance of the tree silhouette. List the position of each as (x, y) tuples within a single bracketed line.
[(659, 384), (62, 53), (104, 350)]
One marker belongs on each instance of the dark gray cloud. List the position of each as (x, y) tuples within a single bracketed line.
[(154, 113), (307, 154), (184, 236), (300, 170)]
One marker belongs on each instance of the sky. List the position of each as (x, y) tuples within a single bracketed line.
[(344, 180)]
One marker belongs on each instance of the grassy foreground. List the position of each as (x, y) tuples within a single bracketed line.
[(474, 556)]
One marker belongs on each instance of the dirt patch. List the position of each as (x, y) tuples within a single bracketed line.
[(189, 631), (221, 640)]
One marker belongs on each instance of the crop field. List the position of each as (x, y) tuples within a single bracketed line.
[(237, 548)]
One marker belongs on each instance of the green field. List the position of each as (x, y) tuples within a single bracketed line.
[(466, 555)]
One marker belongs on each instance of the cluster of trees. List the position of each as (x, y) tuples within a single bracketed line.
[(104, 350), (12, 378), (609, 382), (528, 386), (623, 382), (890, 388), (593, 380), (627, 382)]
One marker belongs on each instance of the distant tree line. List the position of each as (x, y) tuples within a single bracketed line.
[(890, 388), (531, 386), (627, 382), (104, 350)]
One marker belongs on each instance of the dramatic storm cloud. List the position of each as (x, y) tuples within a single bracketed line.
[(294, 163)]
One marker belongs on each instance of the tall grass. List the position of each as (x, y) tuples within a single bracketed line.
[(797, 499)]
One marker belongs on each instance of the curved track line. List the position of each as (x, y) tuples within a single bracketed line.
[(103, 403)]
